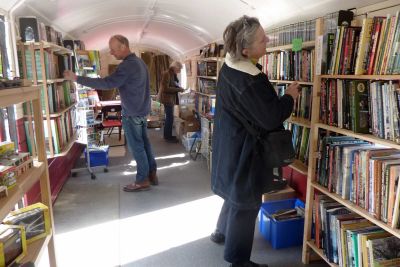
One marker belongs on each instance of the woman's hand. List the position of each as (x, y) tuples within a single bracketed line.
[(293, 90)]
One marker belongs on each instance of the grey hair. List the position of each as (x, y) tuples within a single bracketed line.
[(121, 39), (240, 34), (176, 64)]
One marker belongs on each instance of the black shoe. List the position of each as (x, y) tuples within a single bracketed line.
[(248, 264), (217, 237)]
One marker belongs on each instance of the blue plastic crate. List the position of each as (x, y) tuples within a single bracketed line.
[(97, 157), (285, 233)]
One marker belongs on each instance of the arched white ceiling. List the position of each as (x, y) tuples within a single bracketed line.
[(176, 27)]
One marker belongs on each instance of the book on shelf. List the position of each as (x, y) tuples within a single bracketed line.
[(289, 65), (370, 49), (337, 18), (365, 175), (62, 130), (284, 35), (29, 29), (384, 251), (300, 140)]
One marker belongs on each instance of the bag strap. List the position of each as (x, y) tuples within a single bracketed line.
[(247, 125)]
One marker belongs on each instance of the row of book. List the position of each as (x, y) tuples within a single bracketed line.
[(284, 35), (33, 30), (60, 96), (87, 61), (362, 173), (207, 86), (62, 131), (370, 49), (207, 68), (289, 65), (205, 104), (300, 140), (362, 106), (54, 64), (349, 240), (212, 50), (302, 107)]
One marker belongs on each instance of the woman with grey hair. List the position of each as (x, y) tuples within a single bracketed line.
[(168, 96), (238, 173)]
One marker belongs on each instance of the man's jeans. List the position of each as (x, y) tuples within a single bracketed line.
[(135, 129)]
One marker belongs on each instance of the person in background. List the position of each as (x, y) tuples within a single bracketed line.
[(168, 96), (132, 80), (238, 174)]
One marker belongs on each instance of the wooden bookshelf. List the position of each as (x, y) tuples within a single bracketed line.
[(61, 80), (12, 96), (289, 82), (211, 59), (205, 97), (300, 167), (24, 182), (312, 186), (305, 45), (363, 77), (67, 147), (204, 94), (58, 114), (300, 121), (312, 162), (37, 51), (37, 173), (350, 205), (36, 249), (367, 137), (320, 253), (208, 77), (54, 47)]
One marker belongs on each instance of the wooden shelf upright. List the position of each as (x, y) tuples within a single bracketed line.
[(38, 173)]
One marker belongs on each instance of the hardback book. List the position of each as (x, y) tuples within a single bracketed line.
[(344, 241), (384, 250), (359, 96), (364, 237), (354, 246), (363, 46), (29, 29)]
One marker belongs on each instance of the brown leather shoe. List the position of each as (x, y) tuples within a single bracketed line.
[(136, 187), (153, 178)]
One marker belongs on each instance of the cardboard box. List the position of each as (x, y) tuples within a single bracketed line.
[(286, 193), (191, 125), (179, 125), (176, 111), (186, 111)]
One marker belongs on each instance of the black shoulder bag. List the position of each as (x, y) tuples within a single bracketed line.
[(277, 145)]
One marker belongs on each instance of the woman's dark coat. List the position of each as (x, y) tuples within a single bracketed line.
[(238, 174)]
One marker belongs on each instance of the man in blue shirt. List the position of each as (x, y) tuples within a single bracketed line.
[(132, 80)]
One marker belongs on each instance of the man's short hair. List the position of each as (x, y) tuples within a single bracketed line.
[(122, 39)]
